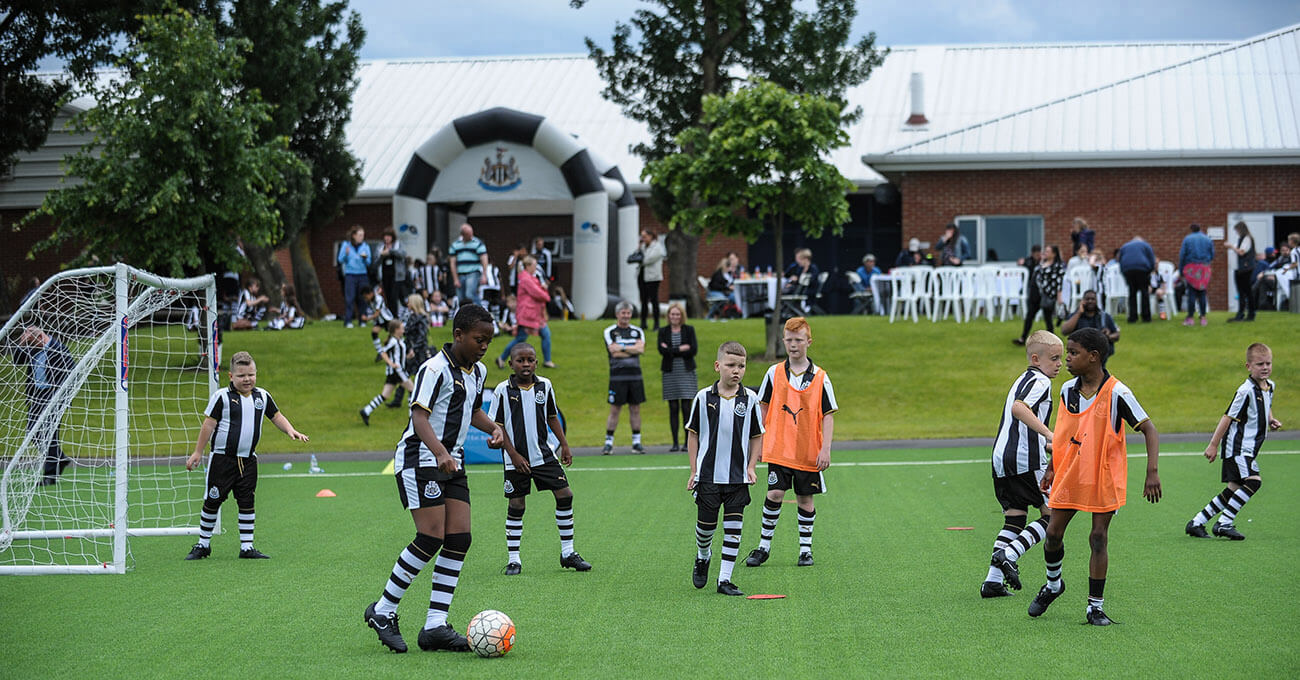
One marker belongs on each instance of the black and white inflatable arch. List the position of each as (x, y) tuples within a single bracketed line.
[(592, 182)]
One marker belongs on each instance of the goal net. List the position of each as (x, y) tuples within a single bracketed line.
[(104, 375)]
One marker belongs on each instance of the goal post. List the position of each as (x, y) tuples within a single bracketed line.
[(104, 374)]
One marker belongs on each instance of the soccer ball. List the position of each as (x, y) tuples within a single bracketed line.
[(490, 633)]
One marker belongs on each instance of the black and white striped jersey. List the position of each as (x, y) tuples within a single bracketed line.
[(377, 305), (1017, 449), (394, 349), (1249, 413), (450, 393), (798, 382), (425, 278), (1124, 407), (724, 426), (503, 316), (246, 309), (239, 420), (522, 414), (624, 368), (491, 278)]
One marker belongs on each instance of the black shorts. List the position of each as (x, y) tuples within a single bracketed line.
[(805, 483), (231, 473), (710, 496), (548, 477), (427, 487), (1238, 468), (627, 392), (393, 379), (1019, 492)]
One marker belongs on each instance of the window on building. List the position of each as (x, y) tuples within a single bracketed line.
[(1001, 238), (561, 247)]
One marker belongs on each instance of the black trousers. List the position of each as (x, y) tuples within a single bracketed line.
[(649, 301), (1033, 305), (1245, 301), (1139, 281)]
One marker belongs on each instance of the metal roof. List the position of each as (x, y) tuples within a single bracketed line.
[(401, 103), (1236, 104)]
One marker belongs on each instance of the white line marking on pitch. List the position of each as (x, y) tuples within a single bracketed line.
[(650, 468)]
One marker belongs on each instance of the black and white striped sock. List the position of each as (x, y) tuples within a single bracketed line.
[(374, 404), (1238, 499), (564, 522), (771, 513), (412, 560), (514, 533), (731, 525), (207, 524), (1214, 507), (446, 574), (246, 519), (806, 519)]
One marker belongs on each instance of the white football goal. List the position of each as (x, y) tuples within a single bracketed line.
[(104, 375)]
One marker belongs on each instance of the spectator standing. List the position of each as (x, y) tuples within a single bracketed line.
[(1044, 285), (1195, 257), (530, 312), (1080, 232), (392, 270), (953, 248), (543, 256), (1245, 273), (649, 258), (1136, 261), (354, 261), (48, 363), (678, 347), (469, 261)]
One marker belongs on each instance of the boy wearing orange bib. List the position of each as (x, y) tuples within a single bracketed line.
[(1089, 466), (798, 404)]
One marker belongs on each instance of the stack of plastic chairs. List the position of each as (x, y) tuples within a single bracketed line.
[(908, 286), (1115, 288), (946, 293), (1013, 289)]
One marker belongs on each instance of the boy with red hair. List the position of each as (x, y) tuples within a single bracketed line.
[(798, 404)]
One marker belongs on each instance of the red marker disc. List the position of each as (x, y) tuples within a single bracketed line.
[(960, 528)]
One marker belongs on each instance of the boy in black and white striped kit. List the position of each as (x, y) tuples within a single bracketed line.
[(393, 352), (1238, 438), (428, 464), (233, 425), (535, 447), (724, 438), (1020, 455)]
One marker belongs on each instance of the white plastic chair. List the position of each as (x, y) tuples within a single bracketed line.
[(981, 290), (1116, 289), (1078, 280), (946, 292), (908, 288), (1013, 287), (1167, 274)]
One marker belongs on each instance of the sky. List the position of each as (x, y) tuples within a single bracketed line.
[(401, 29)]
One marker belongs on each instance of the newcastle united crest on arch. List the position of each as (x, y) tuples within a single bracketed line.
[(501, 175)]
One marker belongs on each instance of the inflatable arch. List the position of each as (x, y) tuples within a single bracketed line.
[(592, 184)]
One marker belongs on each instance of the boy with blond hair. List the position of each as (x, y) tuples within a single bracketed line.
[(798, 404), (233, 425), (1238, 438), (724, 436), (1020, 454)]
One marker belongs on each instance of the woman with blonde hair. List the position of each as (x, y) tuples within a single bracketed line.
[(678, 346)]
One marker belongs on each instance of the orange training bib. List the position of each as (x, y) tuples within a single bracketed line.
[(1089, 457), (794, 423)]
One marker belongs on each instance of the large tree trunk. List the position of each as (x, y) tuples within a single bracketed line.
[(776, 348), (305, 280), (683, 256), (268, 271)]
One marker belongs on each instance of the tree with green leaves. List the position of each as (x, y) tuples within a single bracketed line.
[(758, 160), (303, 62), (689, 49), (175, 172), (82, 33)]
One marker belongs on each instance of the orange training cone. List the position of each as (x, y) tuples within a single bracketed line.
[(326, 493)]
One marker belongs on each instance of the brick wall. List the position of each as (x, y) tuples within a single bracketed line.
[(1157, 204)]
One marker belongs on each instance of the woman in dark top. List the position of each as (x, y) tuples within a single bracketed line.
[(1047, 278), (678, 346), (1245, 250)]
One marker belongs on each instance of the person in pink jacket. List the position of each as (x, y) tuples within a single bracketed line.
[(531, 313)]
